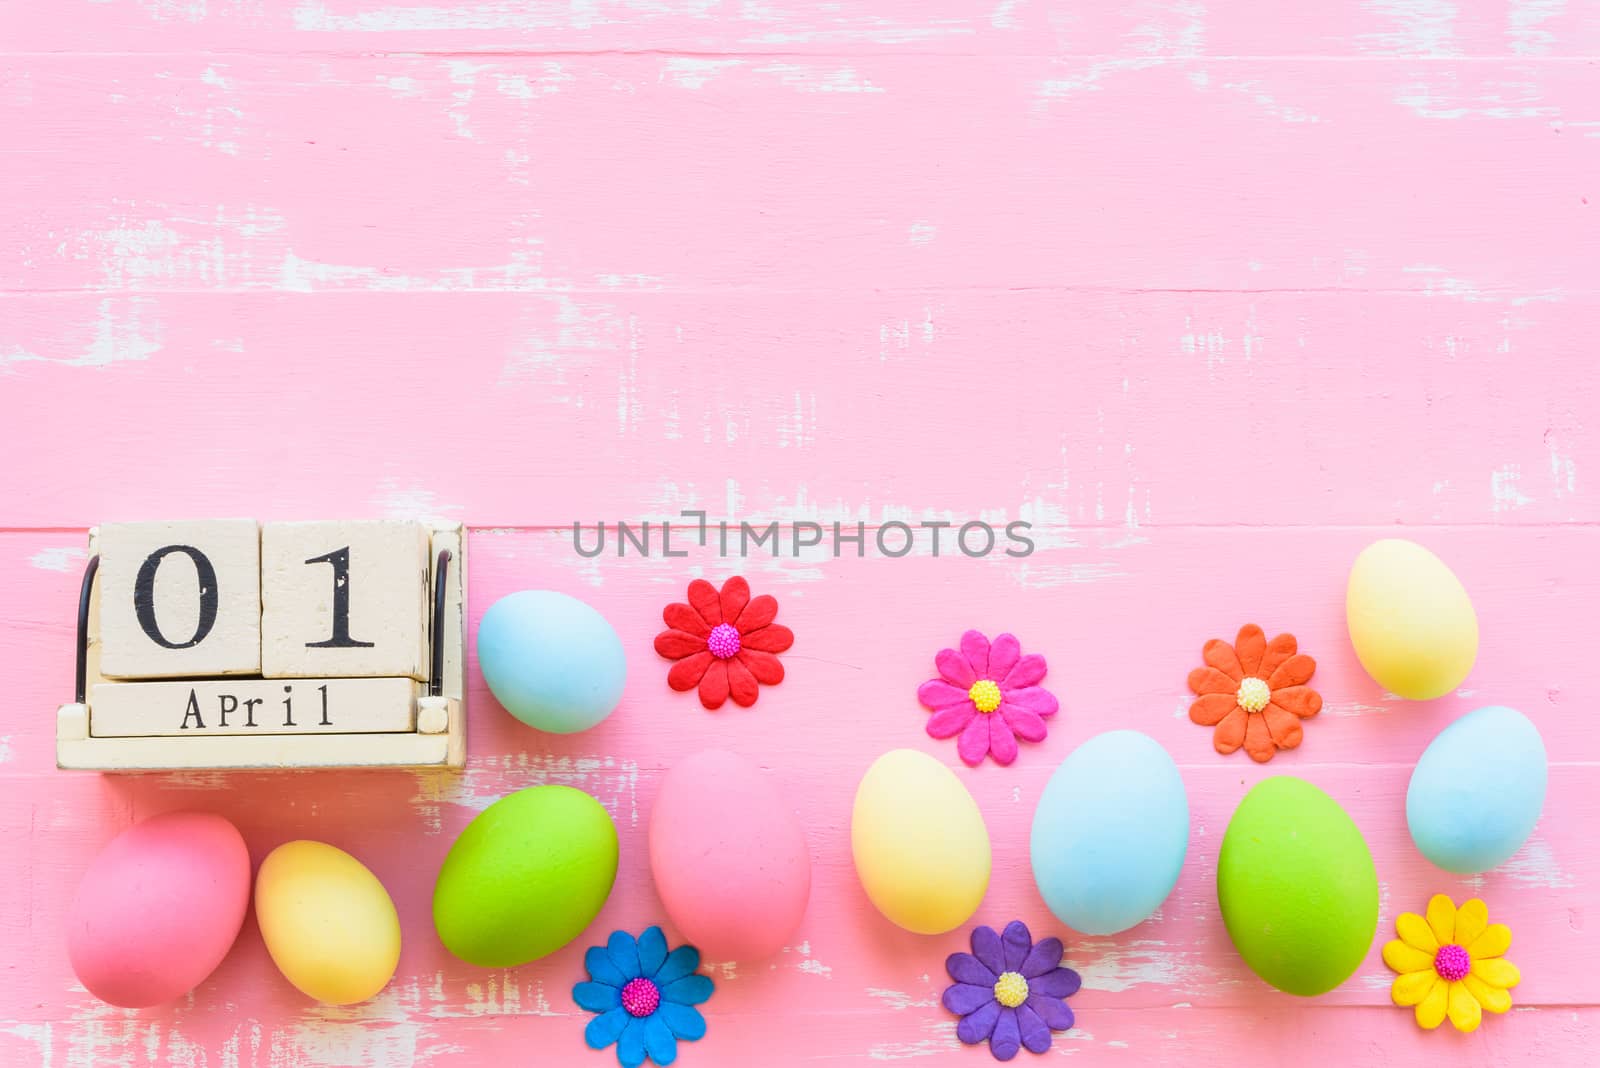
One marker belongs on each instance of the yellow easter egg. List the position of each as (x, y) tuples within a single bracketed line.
[(1411, 621), (328, 923), (921, 849)]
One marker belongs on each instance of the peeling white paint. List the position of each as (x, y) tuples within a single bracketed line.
[(141, 253), (66, 558), (721, 970), (612, 782), (1504, 491), (353, 1044), (464, 76), (695, 72), (216, 115), (402, 86), (1115, 967), (119, 335), (402, 501), (1004, 15), (1525, 25), (549, 78), (1089, 79), (1563, 470), (1358, 708), (940, 1037), (1425, 102), (498, 995), (1269, 104), (1535, 864), (809, 964), (810, 78), (579, 328), (176, 10), (899, 1001), (39, 1034), (1178, 30), (796, 428), (1211, 343), (314, 16), (207, 781), (879, 31), (1420, 27)]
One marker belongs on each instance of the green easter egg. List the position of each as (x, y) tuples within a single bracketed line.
[(525, 877), (1298, 891)]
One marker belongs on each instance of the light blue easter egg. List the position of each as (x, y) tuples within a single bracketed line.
[(1477, 790), (1110, 833), (551, 660)]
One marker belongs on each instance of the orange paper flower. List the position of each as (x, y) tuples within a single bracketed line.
[(1254, 692)]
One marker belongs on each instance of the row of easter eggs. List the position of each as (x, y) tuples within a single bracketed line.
[(727, 855), (1296, 884), (160, 906)]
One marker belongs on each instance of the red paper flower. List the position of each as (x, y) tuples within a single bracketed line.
[(724, 643)]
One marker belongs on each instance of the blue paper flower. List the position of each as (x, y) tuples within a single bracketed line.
[(644, 997)]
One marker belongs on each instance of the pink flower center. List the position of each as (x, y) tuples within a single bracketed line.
[(724, 641), (1452, 962), (640, 997)]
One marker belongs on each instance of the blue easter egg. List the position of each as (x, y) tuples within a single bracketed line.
[(551, 660), (1477, 790), (1110, 833)]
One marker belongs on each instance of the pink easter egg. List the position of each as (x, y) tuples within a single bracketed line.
[(159, 908), (729, 857)]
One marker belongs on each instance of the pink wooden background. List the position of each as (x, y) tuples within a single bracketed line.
[(1212, 294)]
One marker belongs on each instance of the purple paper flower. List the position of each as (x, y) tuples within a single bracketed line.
[(988, 694), (1010, 991)]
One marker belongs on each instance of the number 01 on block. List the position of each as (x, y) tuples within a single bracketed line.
[(226, 643)]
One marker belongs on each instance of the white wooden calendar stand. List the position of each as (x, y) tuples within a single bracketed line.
[(315, 645)]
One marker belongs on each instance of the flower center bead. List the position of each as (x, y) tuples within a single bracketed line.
[(1452, 962), (641, 997), (1011, 990), (1254, 695), (985, 694), (724, 641)]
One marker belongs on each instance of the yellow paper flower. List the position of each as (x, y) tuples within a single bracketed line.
[(1451, 963)]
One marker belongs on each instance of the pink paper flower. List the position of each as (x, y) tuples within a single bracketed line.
[(989, 695)]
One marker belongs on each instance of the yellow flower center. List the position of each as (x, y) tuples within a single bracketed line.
[(985, 694), (1011, 990), (1254, 695)]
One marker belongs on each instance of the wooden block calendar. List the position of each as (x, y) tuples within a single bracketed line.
[(226, 643)]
